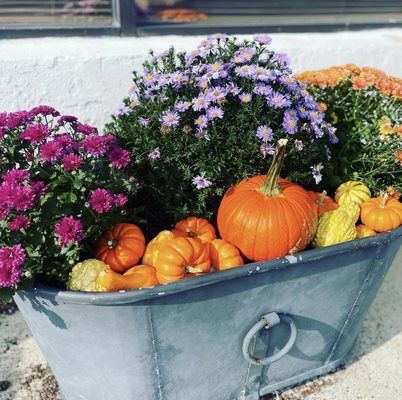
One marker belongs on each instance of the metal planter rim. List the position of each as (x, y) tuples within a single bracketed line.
[(133, 296)]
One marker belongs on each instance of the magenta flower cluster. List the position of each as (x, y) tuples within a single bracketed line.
[(58, 179)]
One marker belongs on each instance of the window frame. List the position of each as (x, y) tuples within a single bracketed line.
[(125, 24)]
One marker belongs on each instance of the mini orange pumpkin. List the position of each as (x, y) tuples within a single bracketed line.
[(224, 255), (181, 257), (194, 227), (155, 245), (121, 247), (381, 213), (363, 231), (266, 216), (324, 202)]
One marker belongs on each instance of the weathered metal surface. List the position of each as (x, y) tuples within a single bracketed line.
[(183, 341)]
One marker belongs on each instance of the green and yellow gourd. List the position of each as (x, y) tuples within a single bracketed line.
[(337, 226)]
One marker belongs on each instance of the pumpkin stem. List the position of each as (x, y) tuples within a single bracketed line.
[(112, 243), (192, 270), (384, 200), (321, 200), (270, 186), (190, 233)]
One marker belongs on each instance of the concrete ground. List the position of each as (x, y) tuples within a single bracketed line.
[(374, 370)]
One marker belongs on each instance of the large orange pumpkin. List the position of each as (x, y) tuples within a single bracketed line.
[(381, 213), (224, 255), (194, 227), (181, 257), (324, 202), (267, 217), (121, 247)]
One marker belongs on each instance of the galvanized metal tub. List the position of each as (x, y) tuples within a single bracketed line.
[(195, 339)]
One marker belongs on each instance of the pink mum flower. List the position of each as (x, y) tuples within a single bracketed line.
[(71, 162), (69, 230), (101, 200), (95, 145), (120, 199), (35, 133), (38, 187), (24, 198), (50, 152), (19, 222), (119, 158), (16, 176), (11, 260)]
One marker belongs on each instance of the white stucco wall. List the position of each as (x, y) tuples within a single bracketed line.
[(88, 77)]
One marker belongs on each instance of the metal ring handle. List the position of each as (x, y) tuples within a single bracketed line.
[(268, 321)]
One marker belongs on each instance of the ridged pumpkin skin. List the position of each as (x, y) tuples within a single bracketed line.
[(381, 214), (324, 202), (335, 227), (181, 257), (363, 231), (121, 247), (193, 227), (224, 255), (264, 227), (155, 245), (352, 191)]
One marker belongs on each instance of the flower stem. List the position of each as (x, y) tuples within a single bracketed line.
[(270, 186)]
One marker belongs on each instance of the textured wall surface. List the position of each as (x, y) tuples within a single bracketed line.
[(88, 77)]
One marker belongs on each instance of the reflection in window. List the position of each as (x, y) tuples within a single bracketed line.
[(47, 12), (269, 12)]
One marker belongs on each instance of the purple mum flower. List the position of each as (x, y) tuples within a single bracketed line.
[(69, 230), (264, 133), (244, 71), (217, 93), (299, 145), (214, 112), (122, 110), (202, 134), (203, 82), (263, 39), (155, 154), (217, 70), (267, 149), (144, 121), (290, 125), (201, 121), (316, 171), (201, 102), (263, 89), (278, 100), (245, 97), (262, 74), (101, 200), (182, 106), (170, 118), (315, 116), (201, 182), (247, 53), (149, 79), (232, 89)]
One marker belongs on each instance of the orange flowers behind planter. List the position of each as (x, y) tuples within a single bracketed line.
[(361, 78)]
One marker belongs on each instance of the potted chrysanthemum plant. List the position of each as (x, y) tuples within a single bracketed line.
[(198, 122), (61, 185)]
